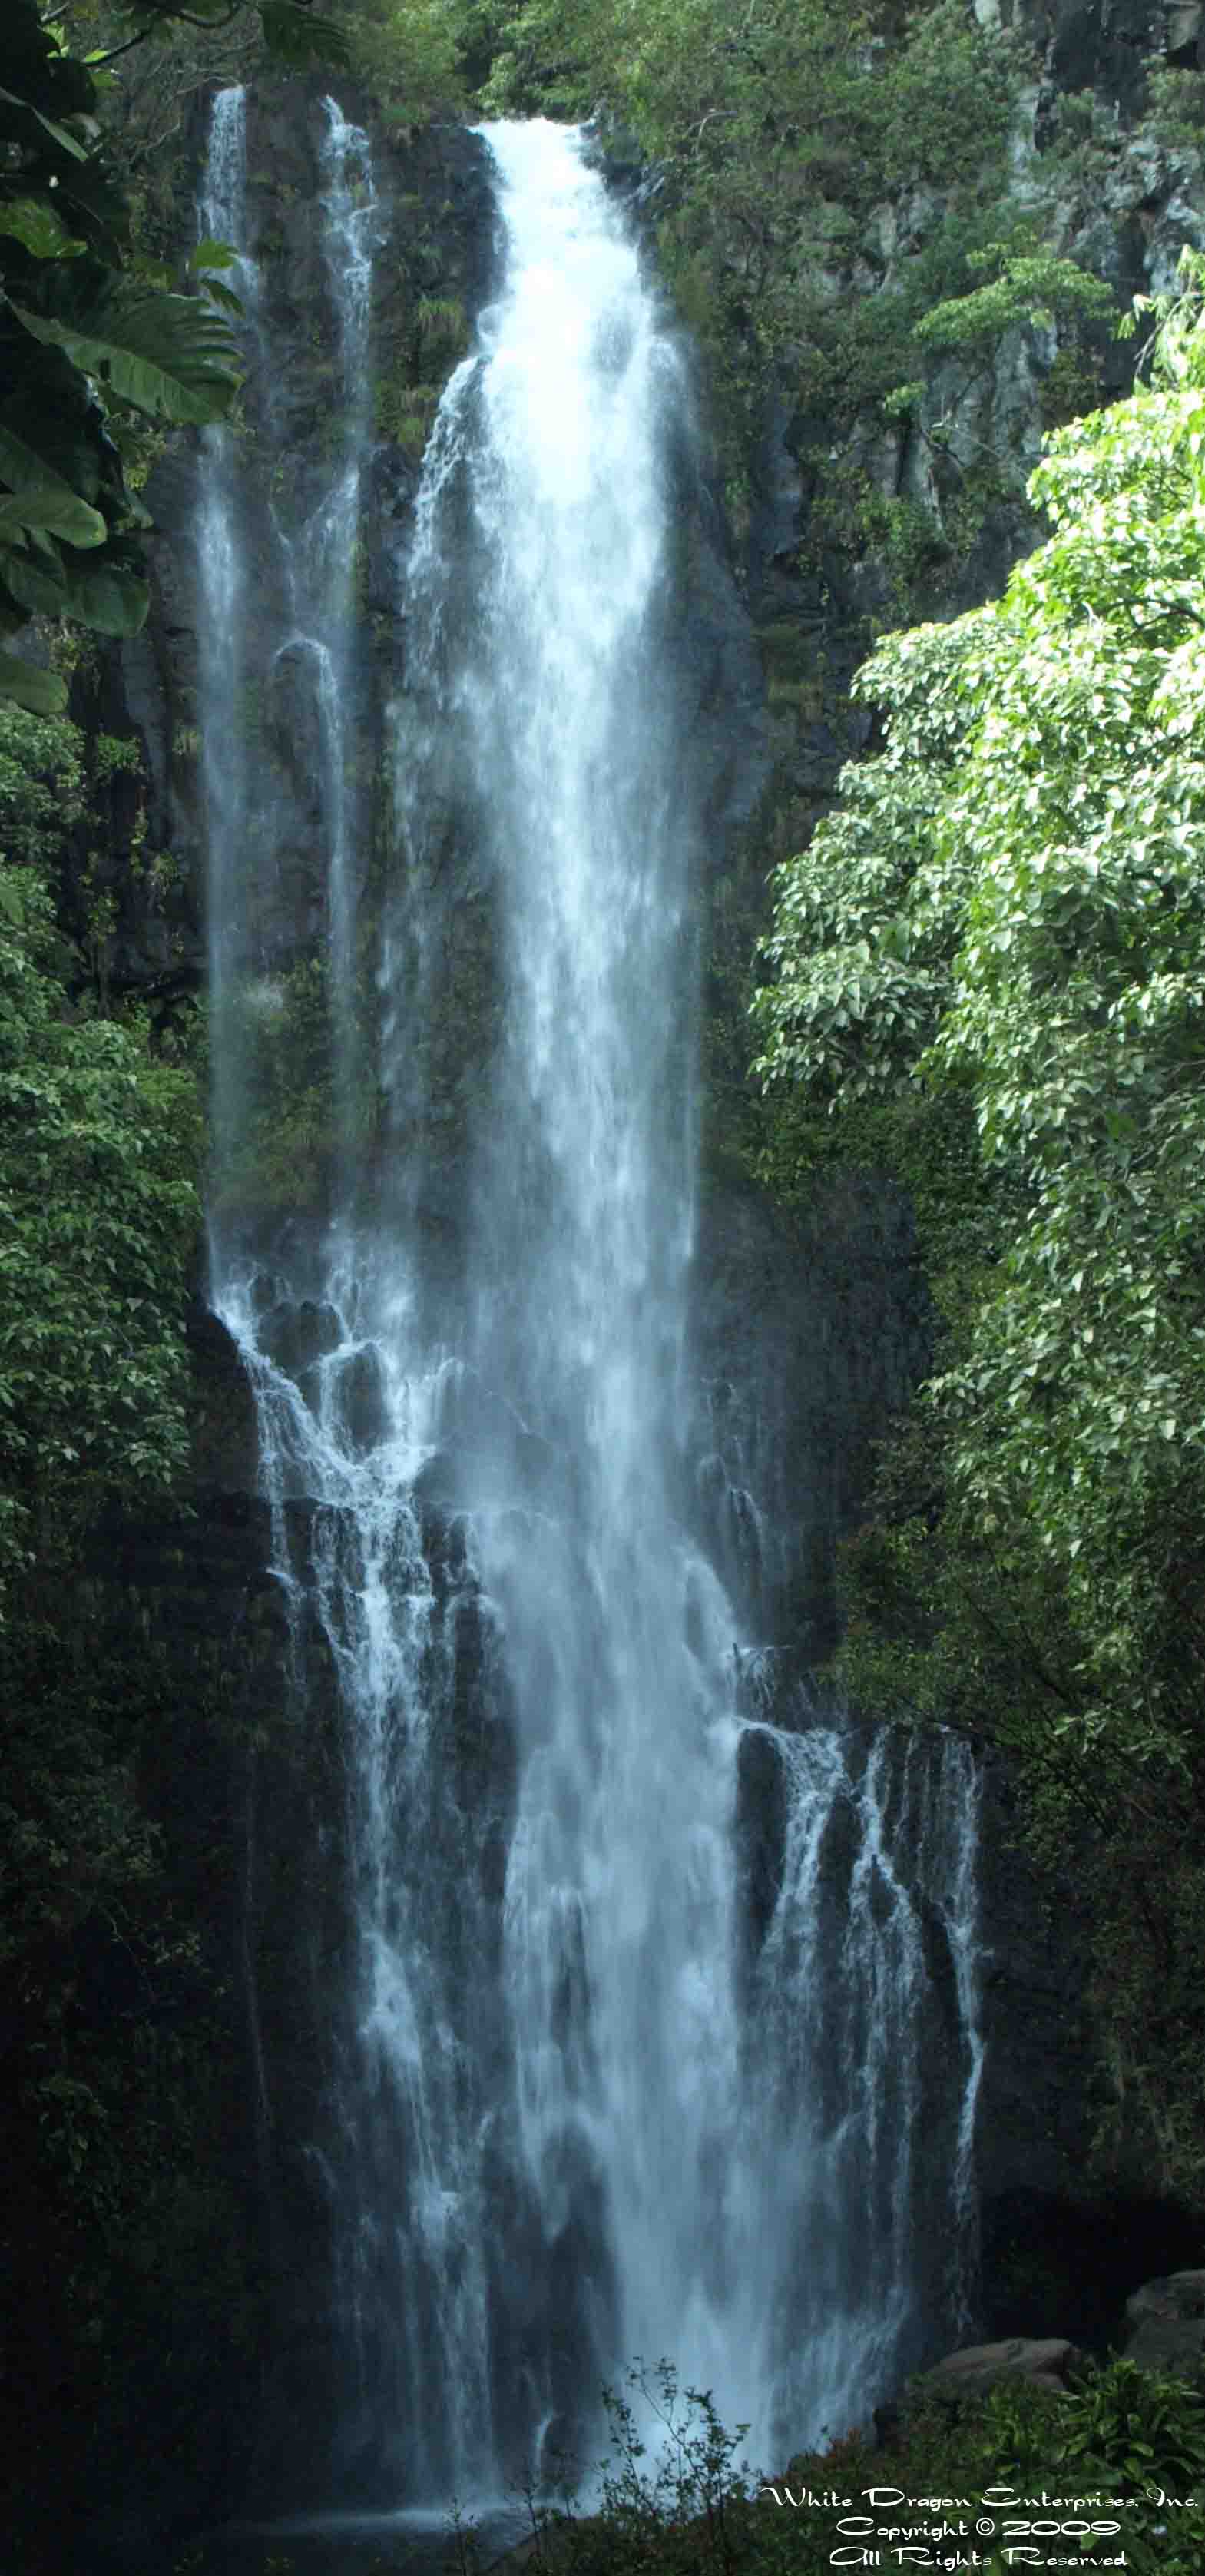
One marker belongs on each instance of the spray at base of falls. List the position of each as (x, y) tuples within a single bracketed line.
[(647, 2001)]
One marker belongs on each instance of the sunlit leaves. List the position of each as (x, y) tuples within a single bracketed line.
[(165, 354), (1022, 283)]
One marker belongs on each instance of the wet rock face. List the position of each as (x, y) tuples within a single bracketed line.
[(1065, 2229), (815, 602), (1095, 46), (1037, 2104), (805, 1342), (436, 216), (434, 269)]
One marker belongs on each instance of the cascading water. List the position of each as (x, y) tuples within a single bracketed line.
[(222, 216), (863, 2056), (602, 2083)]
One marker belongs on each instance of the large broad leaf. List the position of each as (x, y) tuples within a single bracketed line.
[(37, 227), (109, 597), (46, 111), (213, 254), (66, 142), (224, 297), (45, 444), (48, 505), (35, 580), (12, 902), (41, 691), (169, 355)]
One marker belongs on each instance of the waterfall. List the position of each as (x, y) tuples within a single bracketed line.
[(630, 2011), (864, 2058), (221, 583)]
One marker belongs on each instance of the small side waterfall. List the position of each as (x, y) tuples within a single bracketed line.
[(645, 2003), (862, 2055), (222, 575), (324, 559)]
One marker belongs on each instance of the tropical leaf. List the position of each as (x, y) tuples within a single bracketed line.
[(112, 598), (213, 254), (37, 582), (39, 229), (47, 448), (49, 505), (41, 691), (224, 296), (59, 134), (169, 355)]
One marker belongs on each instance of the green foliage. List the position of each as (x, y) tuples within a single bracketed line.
[(694, 2477), (1022, 283), (98, 1143), (671, 2492), (86, 335), (293, 34), (1137, 2427), (535, 57), (405, 401), (153, 350), (410, 52), (1007, 903), (121, 2237), (282, 1030), (689, 2509), (42, 784), (1175, 106), (73, 324), (1004, 917)]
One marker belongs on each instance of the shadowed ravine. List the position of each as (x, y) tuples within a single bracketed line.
[(657, 2031)]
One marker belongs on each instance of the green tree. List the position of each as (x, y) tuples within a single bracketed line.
[(1008, 909)]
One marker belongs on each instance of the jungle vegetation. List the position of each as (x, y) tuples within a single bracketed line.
[(983, 978), (990, 962)]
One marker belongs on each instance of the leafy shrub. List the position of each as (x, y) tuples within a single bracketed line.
[(681, 2503), (1137, 2426)]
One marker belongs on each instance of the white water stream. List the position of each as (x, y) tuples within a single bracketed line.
[(576, 2113)]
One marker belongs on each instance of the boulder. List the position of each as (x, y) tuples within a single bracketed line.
[(1168, 2322), (965, 2376), (1047, 2360)]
